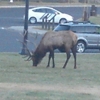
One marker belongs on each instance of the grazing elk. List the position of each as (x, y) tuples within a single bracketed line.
[(62, 40)]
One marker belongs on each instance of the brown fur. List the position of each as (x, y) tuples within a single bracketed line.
[(62, 40)]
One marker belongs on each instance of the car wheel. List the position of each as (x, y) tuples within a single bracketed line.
[(63, 20), (81, 46), (32, 20)]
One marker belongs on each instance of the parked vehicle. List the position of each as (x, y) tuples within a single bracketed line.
[(36, 15), (88, 34)]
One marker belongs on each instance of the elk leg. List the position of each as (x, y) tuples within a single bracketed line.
[(53, 63), (51, 55), (68, 56), (49, 60), (74, 54)]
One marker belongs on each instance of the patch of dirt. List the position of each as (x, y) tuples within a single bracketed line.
[(35, 87)]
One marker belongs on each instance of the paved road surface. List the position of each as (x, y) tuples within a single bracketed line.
[(13, 17), (9, 36), (8, 41)]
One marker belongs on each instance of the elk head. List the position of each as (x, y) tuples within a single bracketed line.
[(34, 57)]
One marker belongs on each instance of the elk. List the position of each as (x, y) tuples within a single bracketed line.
[(64, 41)]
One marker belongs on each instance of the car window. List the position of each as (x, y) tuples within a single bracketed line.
[(50, 11), (78, 29), (98, 30), (90, 29), (85, 29), (40, 10)]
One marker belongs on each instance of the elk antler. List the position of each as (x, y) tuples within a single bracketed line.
[(30, 54)]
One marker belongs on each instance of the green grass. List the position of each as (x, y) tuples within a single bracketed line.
[(95, 19), (20, 81)]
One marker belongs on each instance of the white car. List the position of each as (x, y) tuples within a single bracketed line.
[(37, 14)]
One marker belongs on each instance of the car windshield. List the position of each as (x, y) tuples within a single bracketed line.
[(62, 28)]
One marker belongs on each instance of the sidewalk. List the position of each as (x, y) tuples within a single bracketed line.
[(31, 29), (7, 4)]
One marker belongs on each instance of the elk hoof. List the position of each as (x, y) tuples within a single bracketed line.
[(74, 67), (34, 66), (47, 66), (64, 67), (53, 66)]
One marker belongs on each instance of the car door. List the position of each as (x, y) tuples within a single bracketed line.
[(38, 13), (87, 34), (92, 36), (53, 14), (98, 33)]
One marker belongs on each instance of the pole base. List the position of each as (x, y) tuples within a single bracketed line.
[(23, 52)]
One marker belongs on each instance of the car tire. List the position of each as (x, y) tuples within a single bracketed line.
[(32, 20), (63, 20), (81, 46)]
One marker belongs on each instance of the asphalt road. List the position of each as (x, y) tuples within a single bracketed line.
[(8, 41), (13, 17)]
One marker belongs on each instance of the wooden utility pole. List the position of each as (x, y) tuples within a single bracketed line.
[(85, 11)]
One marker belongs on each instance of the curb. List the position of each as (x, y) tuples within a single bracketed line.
[(31, 29), (22, 6)]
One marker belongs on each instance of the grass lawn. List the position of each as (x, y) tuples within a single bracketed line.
[(20, 81), (95, 19)]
